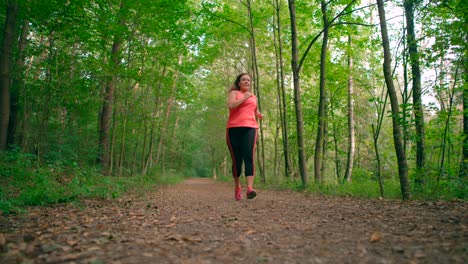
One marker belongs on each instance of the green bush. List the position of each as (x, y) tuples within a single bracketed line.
[(25, 182), (446, 189), (366, 185)]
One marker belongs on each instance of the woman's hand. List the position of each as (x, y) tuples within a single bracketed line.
[(233, 102), (259, 115)]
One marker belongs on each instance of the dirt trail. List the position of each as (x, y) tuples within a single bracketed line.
[(199, 221)]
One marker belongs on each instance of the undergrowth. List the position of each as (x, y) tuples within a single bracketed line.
[(24, 182), (364, 185)]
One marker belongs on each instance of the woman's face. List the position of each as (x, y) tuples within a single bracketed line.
[(244, 83)]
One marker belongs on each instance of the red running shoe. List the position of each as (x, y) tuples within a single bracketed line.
[(251, 193), (237, 194)]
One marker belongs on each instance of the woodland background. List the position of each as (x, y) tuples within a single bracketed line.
[(136, 90)]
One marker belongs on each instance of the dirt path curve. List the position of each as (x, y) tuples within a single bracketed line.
[(198, 221)]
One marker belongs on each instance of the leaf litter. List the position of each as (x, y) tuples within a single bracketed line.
[(199, 221)]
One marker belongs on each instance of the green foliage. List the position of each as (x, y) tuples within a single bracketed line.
[(24, 182), (363, 188), (169, 110), (365, 185), (442, 190)]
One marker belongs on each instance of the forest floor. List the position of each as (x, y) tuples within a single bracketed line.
[(198, 221)]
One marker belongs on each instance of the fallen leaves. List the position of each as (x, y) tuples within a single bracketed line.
[(250, 232), (375, 237), (183, 238), (209, 227)]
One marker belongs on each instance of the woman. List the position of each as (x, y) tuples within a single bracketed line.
[(241, 132)]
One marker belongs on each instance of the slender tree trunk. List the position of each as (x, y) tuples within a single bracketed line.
[(417, 90), (447, 133), (166, 119), (375, 136), (106, 110), (277, 165), (43, 118), (5, 70), (351, 136), (323, 167), (284, 122), (122, 144), (337, 154), (145, 139), (464, 162), (135, 149), (381, 110), (323, 98), (279, 106), (147, 159), (156, 114), (149, 156), (297, 95), (261, 152), (405, 97), (113, 156), (25, 120), (397, 137)]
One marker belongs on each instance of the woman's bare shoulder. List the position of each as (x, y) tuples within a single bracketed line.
[(233, 92)]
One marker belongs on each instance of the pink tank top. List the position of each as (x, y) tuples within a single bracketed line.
[(244, 114)]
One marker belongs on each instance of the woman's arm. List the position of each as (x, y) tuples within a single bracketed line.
[(233, 102)]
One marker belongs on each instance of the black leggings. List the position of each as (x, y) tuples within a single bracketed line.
[(241, 142)]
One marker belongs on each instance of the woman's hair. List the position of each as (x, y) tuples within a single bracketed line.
[(236, 84)]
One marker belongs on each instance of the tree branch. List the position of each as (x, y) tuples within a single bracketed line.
[(353, 23), (234, 22), (320, 33)]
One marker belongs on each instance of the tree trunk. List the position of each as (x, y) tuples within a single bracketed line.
[(145, 139), (284, 123), (375, 136), (397, 138), (447, 133), (122, 143), (5, 70), (18, 86), (351, 136), (135, 149), (155, 115), (464, 162), (337, 153), (297, 95), (168, 112), (279, 98), (261, 152), (405, 99), (108, 98), (149, 157), (323, 98), (40, 143), (323, 166), (417, 90), (113, 156), (25, 119)]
